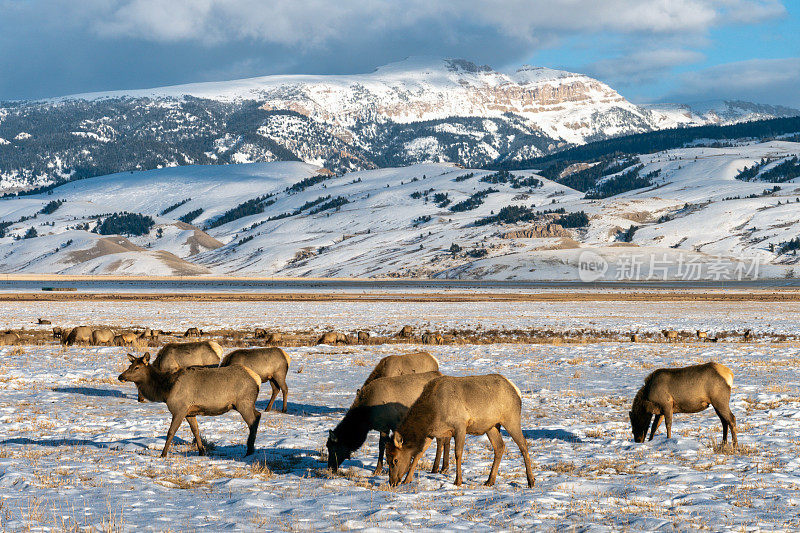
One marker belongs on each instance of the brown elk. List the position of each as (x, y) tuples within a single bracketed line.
[(198, 391), (398, 365), (78, 335), (260, 333), (274, 337), (193, 332), (432, 338), (332, 338), (178, 355), (748, 335), (271, 364), (102, 336), (382, 405), (363, 337), (406, 332), (670, 335), (635, 337), (454, 407), (9, 338), (702, 335), (44, 321), (126, 339), (57, 332), (690, 389)]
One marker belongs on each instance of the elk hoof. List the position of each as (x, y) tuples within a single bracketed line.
[(378, 471)]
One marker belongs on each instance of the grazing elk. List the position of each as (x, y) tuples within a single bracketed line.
[(406, 332), (193, 332), (78, 335), (274, 338), (635, 337), (454, 407), (382, 405), (690, 389), (332, 338), (260, 333), (702, 336), (398, 365), (44, 321), (126, 339), (363, 337), (178, 355), (198, 391), (432, 338), (271, 364), (9, 338), (57, 332), (102, 336), (670, 335)]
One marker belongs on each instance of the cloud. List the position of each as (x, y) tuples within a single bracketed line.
[(770, 81), (642, 66)]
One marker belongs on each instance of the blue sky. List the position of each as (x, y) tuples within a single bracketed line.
[(649, 50)]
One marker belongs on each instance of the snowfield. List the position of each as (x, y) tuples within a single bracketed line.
[(77, 450)]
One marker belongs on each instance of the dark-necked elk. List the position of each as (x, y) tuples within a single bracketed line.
[(271, 364), (198, 391), (9, 338), (702, 336), (454, 407), (193, 332), (274, 337), (406, 332), (126, 339), (748, 335), (178, 355), (399, 365), (102, 336), (43, 321), (363, 337), (332, 337), (260, 333), (57, 332), (690, 389), (432, 338), (670, 335), (381, 406), (78, 335)]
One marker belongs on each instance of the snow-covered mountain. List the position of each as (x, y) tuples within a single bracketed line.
[(711, 206), (404, 113)]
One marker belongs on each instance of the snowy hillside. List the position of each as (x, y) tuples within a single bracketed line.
[(405, 113), (426, 220)]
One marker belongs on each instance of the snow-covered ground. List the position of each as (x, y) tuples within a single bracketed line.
[(76, 449)]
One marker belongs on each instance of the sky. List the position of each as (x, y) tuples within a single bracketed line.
[(649, 50)]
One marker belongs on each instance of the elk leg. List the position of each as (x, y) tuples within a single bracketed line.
[(438, 457), (460, 436), (381, 449), (668, 419), (251, 417), (275, 390), (140, 398), (656, 423), (413, 467), (515, 431), (728, 421), (284, 391), (173, 427), (192, 421), (499, 447), (446, 456)]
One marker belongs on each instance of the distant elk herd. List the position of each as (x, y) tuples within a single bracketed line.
[(405, 398)]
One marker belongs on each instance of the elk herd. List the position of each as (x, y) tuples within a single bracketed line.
[(405, 398)]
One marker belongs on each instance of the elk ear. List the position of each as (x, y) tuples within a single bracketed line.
[(146, 357), (332, 436), (397, 438), (131, 358)]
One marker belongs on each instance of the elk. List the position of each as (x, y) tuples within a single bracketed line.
[(702, 335), (406, 332), (689, 389), (102, 336), (198, 391), (453, 407), (260, 333), (748, 335), (193, 332), (332, 338), (57, 332), (44, 321), (382, 405), (126, 339), (635, 337), (363, 337), (9, 338), (271, 364), (398, 365), (78, 335), (432, 338), (178, 355), (670, 335)]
